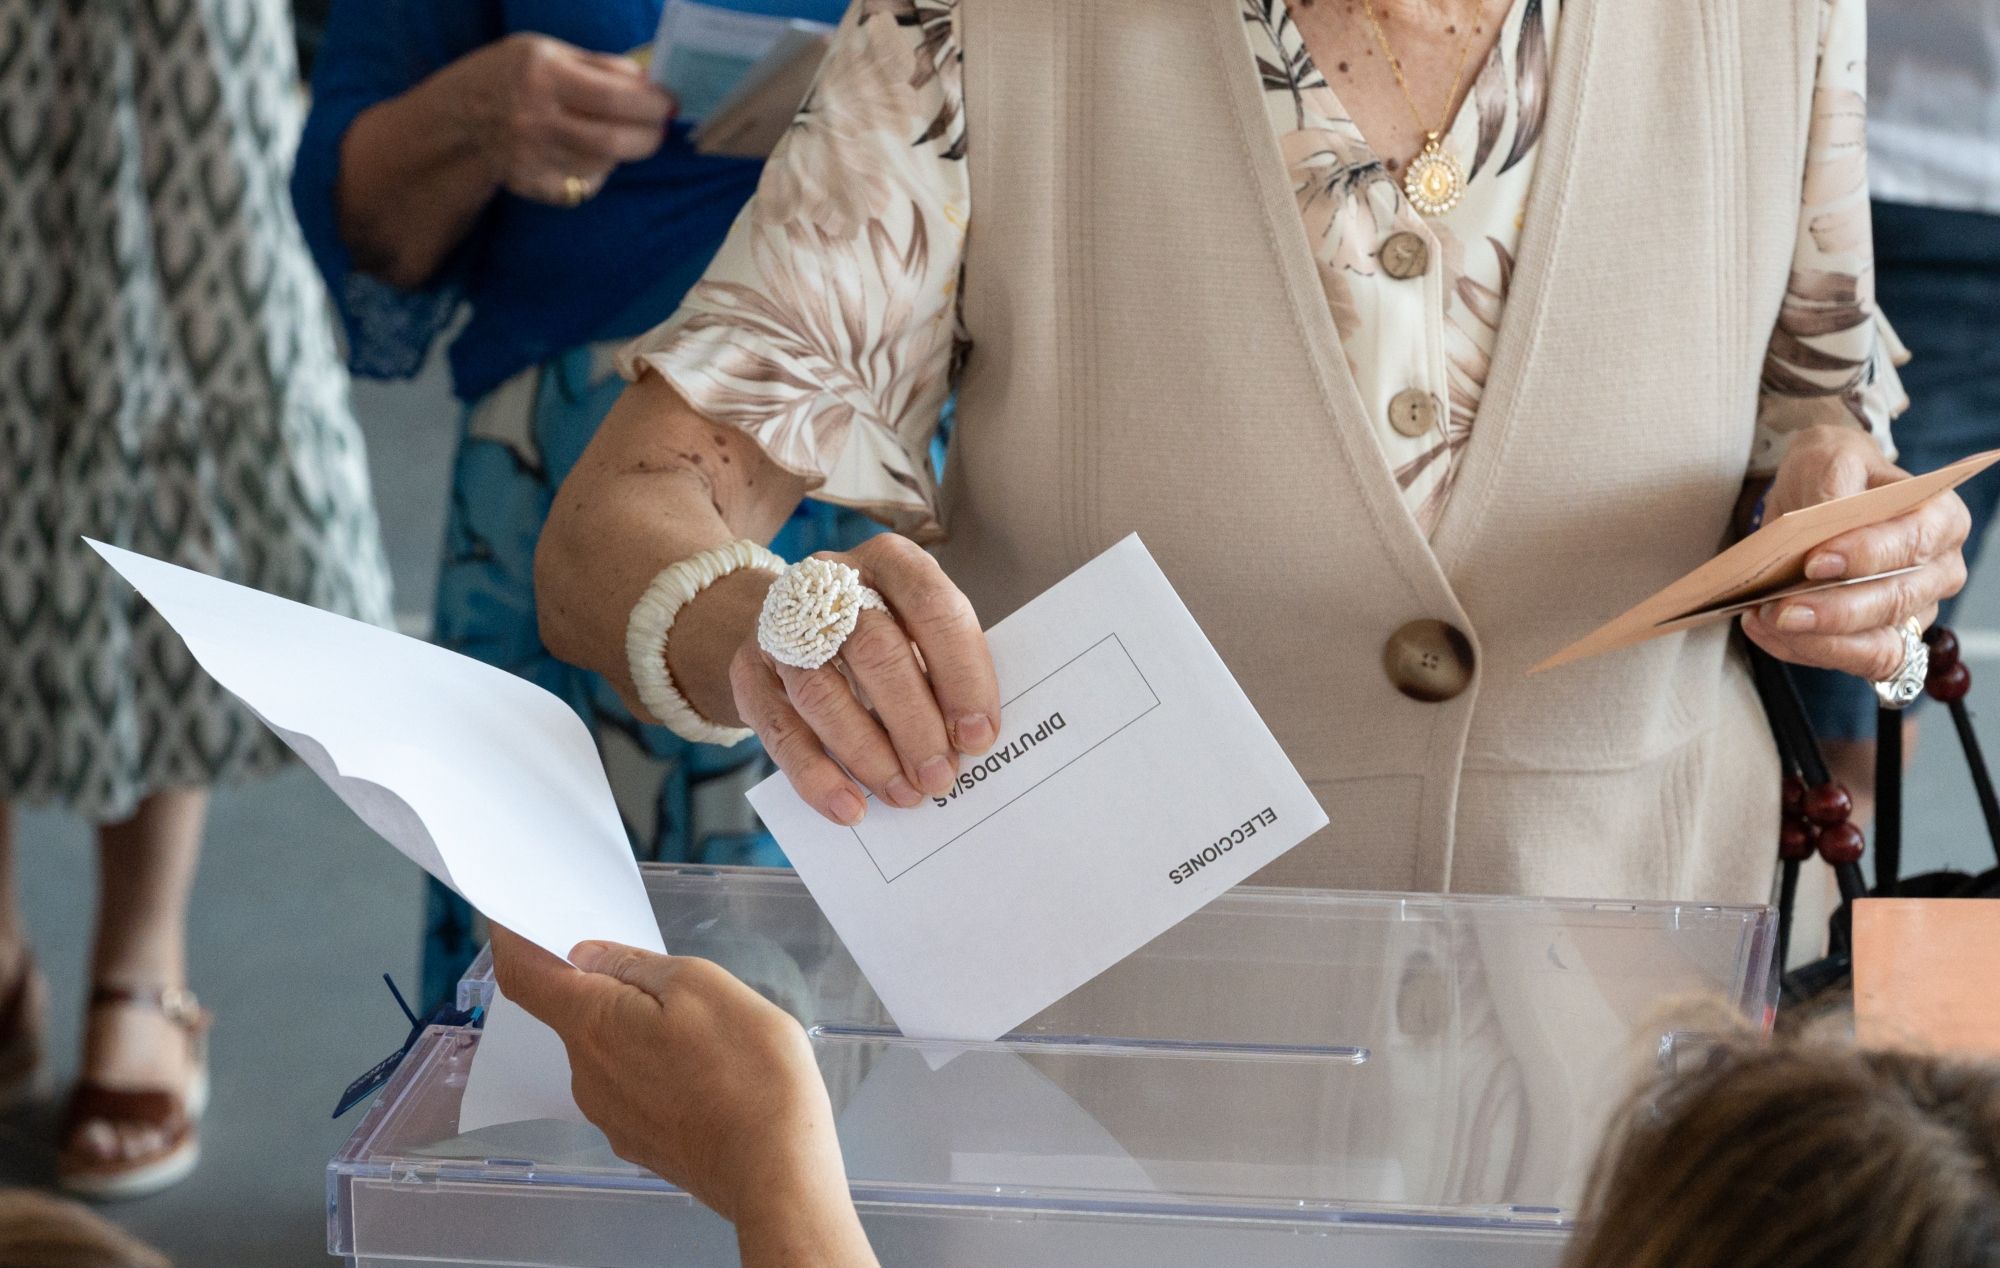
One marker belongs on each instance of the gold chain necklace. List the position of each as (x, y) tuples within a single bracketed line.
[(1434, 181)]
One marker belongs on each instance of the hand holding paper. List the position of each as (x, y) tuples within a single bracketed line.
[(1769, 564), (1905, 566), (1131, 784)]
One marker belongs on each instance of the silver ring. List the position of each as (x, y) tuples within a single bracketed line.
[(1901, 689)]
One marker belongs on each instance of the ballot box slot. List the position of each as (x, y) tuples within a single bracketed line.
[(884, 1199), (1103, 1045), (750, 919)]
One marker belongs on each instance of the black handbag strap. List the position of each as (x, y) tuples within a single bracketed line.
[(1807, 779), (1949, 682), (1815, 805)]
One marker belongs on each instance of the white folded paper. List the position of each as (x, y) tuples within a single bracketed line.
[(483, 779), (1132, 783), (704, 52)]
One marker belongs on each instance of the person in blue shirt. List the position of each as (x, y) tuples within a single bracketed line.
[(505, 168)]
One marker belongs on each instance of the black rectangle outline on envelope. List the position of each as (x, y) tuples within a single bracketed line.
[(1108, 638)]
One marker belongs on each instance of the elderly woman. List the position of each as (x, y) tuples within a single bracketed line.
[(503, 164), (1415, 337)]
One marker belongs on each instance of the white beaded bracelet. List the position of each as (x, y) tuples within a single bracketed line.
[(653, 617)]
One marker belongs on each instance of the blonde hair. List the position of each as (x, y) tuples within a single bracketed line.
[(1801, 1153), (39, 1231)]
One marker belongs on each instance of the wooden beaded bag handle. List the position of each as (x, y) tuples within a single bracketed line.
[(1816, 808)]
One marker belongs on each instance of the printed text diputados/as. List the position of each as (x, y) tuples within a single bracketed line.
[(992, 763)]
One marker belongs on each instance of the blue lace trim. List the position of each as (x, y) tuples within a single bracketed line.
[(390, 330)]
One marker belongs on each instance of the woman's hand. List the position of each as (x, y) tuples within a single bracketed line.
[(544, 114), (527, 113), (924, 668), (660, 483), (1854, 628), (694, 1076)]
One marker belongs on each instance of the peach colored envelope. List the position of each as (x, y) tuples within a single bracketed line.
[(1925, 972), (1768, 564)]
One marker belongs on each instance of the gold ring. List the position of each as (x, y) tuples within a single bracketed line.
[(575, 191)]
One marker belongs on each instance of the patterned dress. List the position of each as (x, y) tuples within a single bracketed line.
[(827, 326), (168, 383)]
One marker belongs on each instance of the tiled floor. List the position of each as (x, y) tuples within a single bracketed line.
[(299, 910)]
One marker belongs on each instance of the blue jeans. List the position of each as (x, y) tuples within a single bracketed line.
[(1937, 277)]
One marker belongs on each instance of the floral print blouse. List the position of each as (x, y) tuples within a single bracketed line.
[(827, 326)]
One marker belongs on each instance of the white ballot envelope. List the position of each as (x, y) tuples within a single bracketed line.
[(483, 779), (1132, 783)]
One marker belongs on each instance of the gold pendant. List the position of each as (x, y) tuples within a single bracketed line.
[(1434, 181)]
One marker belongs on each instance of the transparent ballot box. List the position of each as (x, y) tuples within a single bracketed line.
[(1289, 1077)]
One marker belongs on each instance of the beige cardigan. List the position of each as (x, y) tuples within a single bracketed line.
[(1136, 225)]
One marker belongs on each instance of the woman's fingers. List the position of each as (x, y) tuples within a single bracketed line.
[(600, 142), (532, 977), (546, 173), (922, 684), (764, 706), (879, 656), (613, 89), (1872, 654), (848, 732), (1853, 629), (574, 117), (941, 622), (649, 971), (1937, 527), (1872, 605)]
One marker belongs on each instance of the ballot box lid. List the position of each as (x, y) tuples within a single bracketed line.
[(1420, 1078)]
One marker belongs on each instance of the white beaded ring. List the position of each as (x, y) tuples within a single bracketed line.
[(810, 610), (652, 619)]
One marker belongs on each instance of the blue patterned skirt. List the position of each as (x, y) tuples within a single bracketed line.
[(681, 802)]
